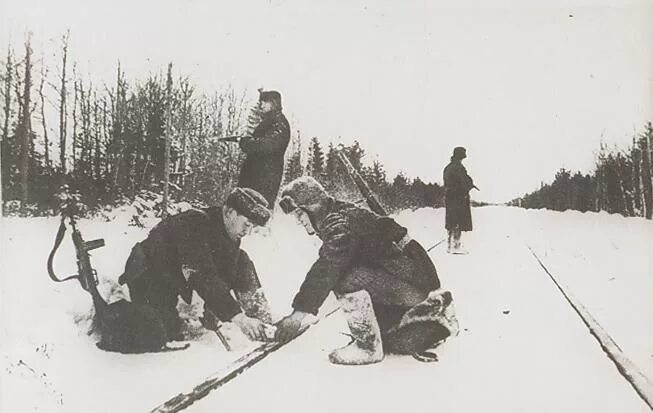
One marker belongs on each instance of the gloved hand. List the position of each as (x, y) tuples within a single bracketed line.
[(290, 326), (254, 329)]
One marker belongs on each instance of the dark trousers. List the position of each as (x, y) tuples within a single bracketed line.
[(160, 296)]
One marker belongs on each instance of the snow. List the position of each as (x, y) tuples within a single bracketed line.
[(521, 346)]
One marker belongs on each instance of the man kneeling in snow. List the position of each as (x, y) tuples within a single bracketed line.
[(199, 250), (387, 285)]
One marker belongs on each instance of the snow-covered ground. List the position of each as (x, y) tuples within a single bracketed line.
[(521, 347)]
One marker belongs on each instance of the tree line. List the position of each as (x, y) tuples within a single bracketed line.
[(622, 182), (110, 142), (400, 192)]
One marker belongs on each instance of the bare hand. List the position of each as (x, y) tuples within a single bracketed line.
[(290, 326), (254, 329)]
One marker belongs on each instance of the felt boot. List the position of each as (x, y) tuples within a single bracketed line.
[(366, 346)]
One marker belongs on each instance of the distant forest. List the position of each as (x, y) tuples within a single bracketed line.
[(622, 183), (108, 143)]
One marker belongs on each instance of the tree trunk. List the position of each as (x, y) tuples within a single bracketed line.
[(187, 92), (97, 161), (7, 90), (636, 198), (26, 126), (81, 139), (105, 137), (18, 86), (647, 187), (649, 144), (75, 143), (597, 190), (43, 122), (7, 115), (168, 137), (63, 116), (117, 129), (624, 197)]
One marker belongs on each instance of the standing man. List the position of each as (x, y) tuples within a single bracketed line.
[(457, 185), (387, 285), (265, 149), (199, 250)]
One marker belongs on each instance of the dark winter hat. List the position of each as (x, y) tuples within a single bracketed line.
[(269, 96), (303, 191), (249, 203), (459, 153)]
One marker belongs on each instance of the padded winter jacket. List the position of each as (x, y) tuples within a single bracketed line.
[(353, 236), (263, 167), (192, 251)]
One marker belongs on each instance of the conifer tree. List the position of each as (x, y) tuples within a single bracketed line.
[(294, 167), (315, 165), (331, 166)]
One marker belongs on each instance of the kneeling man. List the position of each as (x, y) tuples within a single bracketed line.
[(199, 250), (387, 285)]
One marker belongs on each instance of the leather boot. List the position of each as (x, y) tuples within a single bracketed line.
[(366, 346)]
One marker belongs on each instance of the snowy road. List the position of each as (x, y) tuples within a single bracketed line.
[(521, 349), (538, 357)]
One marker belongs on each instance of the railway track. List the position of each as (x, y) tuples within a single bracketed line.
[(626, 368)]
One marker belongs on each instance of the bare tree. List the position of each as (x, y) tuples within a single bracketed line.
[(167, 137), (18, 90), (63, 115), (7, 93), (75, 101), (97, 153), (46, 141), (25, 126), (7, 113), (647, 178), (186, 93), (118, 110)]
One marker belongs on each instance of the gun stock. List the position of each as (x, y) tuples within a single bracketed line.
[(362, 186)]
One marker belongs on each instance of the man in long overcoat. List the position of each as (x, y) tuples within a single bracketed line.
[(265, 149), (387, 285), (457, 185), (199, 250)]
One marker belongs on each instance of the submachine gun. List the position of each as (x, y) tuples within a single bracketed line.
[(123, 326), (87, 276)]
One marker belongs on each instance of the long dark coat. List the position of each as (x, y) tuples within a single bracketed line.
[(192, 251), (353, 237), (457, 186), (263, 167)]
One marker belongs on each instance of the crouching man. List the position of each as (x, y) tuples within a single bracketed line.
[(199, 250), (387, 285)]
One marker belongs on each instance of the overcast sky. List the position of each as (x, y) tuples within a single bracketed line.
[(527, 86)]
